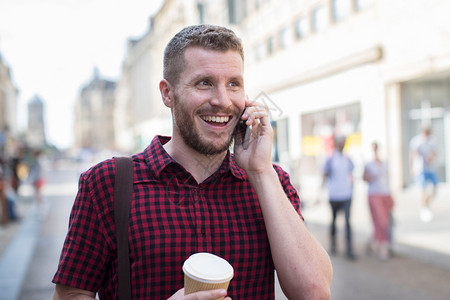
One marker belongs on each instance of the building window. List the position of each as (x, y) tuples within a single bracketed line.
[(271, 45), (341, 9), (280, 139), (319, 128), (319, 18), (256, 4), (363, 4), (301, 27), (201, 13), (286, 37), (232, 12), (237, 11)]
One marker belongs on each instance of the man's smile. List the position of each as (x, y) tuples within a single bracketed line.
[(216, 120)]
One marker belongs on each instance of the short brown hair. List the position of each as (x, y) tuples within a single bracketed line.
[(206, 36)]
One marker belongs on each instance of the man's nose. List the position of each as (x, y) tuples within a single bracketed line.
[(221, 97)]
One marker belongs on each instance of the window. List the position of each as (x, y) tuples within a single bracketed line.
[(286, 37), (317, 132), (280, 139), (341, 9), (301, 27), (319, 18), (237, 11), (271, 45), (363, 4), (201, 13)]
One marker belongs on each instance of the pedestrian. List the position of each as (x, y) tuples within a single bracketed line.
[(19, 169), (191, 194), (380, 203), (36, 178), (4, 205), (422, 164), (338, 176), (7, 196)]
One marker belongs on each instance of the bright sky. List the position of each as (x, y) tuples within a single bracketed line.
[(52, 47)]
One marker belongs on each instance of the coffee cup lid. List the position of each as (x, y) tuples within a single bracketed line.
[(207, 267)]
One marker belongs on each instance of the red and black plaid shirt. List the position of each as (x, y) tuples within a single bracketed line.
[(171, 218)]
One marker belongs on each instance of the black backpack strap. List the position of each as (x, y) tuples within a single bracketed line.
[(123, 193)]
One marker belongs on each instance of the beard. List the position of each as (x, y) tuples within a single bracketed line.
[(191, 135)]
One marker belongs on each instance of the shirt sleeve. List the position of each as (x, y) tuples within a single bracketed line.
[(85, 257)]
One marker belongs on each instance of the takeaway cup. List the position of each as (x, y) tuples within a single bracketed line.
[(206, 271)]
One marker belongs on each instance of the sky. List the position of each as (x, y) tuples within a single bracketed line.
[(53, 46)]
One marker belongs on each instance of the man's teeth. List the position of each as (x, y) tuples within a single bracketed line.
[(216, 119)]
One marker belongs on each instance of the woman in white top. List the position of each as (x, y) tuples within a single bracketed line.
[(380, 202)]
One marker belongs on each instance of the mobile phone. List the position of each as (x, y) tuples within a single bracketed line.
[(244, 132)]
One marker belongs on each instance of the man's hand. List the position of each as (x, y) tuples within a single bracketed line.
[(203, 295), (258, 156)]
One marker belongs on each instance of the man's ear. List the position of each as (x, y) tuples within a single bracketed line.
[(167, 92)]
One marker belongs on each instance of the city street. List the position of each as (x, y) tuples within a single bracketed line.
[(30, 249)]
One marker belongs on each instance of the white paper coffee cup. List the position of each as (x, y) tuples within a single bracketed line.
[(206, 271)]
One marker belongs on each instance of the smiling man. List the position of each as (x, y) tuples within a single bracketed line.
[(192, 195)]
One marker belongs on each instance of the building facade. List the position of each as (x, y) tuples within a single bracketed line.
[(8, 108), (94, 115), (35, 134), (373, 70)]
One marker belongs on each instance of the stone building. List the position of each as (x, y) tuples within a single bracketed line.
[(35, 134), (8, 108), (94, 115), (139, 113)]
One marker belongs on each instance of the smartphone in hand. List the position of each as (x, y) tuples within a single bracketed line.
[(244, 132)]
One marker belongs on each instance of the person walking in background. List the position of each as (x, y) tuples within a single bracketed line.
[(7, 194), (4, 205), (422, 158), (338, 175), (380, 203), (19, 169), (36, 178)]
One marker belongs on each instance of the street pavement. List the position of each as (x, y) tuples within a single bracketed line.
[(420, 268)]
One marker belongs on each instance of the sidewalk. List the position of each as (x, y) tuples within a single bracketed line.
[(17, 240), (24, 204), (427, 242)]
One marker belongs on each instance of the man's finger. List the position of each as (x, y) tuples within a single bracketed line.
[(207, 295)]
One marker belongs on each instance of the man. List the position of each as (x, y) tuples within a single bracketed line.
[(191, 195), (338, 174), (422, 158)]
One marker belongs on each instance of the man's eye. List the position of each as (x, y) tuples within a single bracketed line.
[(234, 84), (204, 83)]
